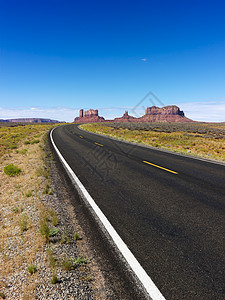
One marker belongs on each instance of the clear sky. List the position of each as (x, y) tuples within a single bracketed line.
[(57, 56)]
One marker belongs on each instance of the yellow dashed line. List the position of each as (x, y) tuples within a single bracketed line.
[(146, 162), (99, 144)]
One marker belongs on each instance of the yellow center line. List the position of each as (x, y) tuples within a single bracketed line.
[(81, 136), (146, 162), (99, 144)]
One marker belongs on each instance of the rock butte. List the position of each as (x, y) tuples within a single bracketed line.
[(170, 113)]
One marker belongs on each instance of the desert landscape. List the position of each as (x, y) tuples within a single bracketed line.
[(201, 139)]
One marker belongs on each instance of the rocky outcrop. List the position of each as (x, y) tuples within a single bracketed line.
[(88, 116), (33, 120), (126, 118), (170, 113)]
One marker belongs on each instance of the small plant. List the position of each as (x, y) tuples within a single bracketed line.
[(26, 142), (89, 278), (31, 269), (43, 171), (29, 193), (44, 228), (51, 258), (55, 220), (12, 170), (77, 237), (80, 261), (53, 231), (23, 223), (65, 238), (15, 210), (54, 217), (13, 146), (35, 142), (67, 264), (47, 189), (54, 279), (2, 295), (24, 151)]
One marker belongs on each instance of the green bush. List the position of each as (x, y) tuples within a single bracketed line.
[(54, 279), (23, 223), (29, 193), (2, 295), (67, 264), (31, 269), (77, 237), (35, 142), (53, 231), (44, 228), (12, 170), (80, 261)]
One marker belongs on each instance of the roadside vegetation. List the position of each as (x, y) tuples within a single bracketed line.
[(199, 139), (33, 242)]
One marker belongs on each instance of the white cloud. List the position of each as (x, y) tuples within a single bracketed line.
[(206, 111), (144, 59)]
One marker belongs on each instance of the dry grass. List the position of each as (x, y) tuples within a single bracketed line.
[(20, 202), (182, 140)]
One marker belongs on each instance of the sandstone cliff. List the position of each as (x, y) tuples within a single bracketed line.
[(125, 118), (31, 120), (88, 116), (170, 113)]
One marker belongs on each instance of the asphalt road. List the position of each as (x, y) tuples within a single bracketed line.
[(168, 209)]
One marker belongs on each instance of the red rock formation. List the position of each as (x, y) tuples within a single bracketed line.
[(33, 120), (125, 118), (88, 116), (170, 113)]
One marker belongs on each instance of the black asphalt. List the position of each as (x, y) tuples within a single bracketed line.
[(173, 223)]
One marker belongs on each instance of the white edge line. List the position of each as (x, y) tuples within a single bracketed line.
[(145, 280)]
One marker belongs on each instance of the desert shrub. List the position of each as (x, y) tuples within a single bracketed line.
[(80, 261), (29, 193), (12, 170), (54, 279), (44, 228), (35, 142), (53, 216), (77, 237), (24, 151), (67, 263), (51, 258), (47, 189), (2, 295), (53, 231), (31, 269), (23, 223)]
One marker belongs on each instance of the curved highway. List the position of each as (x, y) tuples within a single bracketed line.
[(168, 209)]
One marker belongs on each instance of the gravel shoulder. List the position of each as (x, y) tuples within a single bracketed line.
[(44, 253)]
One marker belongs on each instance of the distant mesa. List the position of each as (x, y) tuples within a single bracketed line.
[(126, 118), (31, 120), (170, 113), (88, 116)]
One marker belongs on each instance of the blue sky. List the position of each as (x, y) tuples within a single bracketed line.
[(59, 56)]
